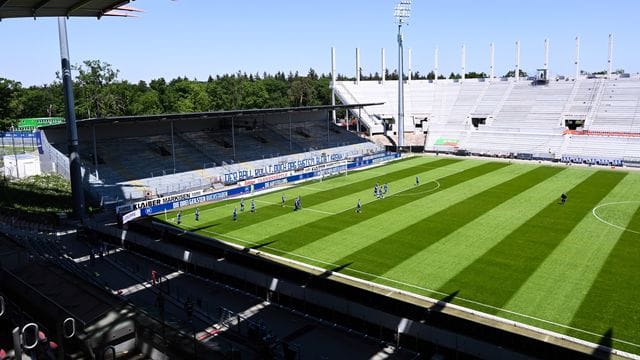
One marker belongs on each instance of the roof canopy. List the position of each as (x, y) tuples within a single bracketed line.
[(75, 8), (210, 115)]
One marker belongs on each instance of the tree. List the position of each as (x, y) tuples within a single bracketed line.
[(323, 91), (277, 92), (9, 89), (99, 93), (254, 95), (312, 75), (511, 73), (95, 96), (37, 101), (301, 92), (475, 75)]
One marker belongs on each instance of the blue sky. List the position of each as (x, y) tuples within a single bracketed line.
[(195, 38)]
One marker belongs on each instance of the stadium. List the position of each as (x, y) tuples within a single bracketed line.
[(508, 226)]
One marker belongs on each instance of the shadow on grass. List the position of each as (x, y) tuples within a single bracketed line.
[(204, 226), (603, 351), (258, 246), (442, 303), (327, 273)]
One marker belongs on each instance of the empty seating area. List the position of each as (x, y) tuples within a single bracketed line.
[(604, 147), (507, 103), (499, 143), (534, 108), (518, 116), (618, 108), (126, 159), (492, 97)]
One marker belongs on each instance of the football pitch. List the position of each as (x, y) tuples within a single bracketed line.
[(490, 236)]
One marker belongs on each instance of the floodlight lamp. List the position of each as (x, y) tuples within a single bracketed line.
[(402, 11)]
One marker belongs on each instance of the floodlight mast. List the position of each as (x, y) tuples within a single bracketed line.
[(401, 13)]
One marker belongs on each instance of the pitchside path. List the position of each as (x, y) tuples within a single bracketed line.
[(493, 234)]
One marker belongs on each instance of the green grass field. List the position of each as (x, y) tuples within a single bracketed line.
[(491, 236)]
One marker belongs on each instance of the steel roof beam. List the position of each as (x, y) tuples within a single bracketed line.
[(77, 6), (38, 6)]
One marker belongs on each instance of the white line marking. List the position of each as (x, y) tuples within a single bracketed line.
[(421, 192), (314, 188), (594, 212), (399, 193), (289, 206), (421, 288)]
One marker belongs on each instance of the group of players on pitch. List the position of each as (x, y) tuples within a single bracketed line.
[(379, 191), (297, 205)]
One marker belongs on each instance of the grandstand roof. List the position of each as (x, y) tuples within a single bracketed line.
[(210, 114), (75, 8)]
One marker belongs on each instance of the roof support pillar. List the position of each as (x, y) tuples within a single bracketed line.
[(75, 168), (173, 149), (333, 84)]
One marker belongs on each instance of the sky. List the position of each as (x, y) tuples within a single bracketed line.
[(198, 38)]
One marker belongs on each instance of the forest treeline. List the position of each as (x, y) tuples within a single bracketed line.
[(99, 92)]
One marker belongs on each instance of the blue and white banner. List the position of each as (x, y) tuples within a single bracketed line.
[(18, 138), (169, 203)]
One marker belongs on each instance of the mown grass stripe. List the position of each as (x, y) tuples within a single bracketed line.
[(405, 186), (438, 263), (311, 197), (566, 275), (210, 213), (401, 245), (335, 246), (496, 276), (292, 239), (612, 306)]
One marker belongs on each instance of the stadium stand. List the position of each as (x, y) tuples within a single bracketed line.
[(504, 117), (149, 162), (619, 107)]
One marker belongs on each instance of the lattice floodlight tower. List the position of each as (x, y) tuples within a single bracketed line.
[(401, 12), (64, 9)]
